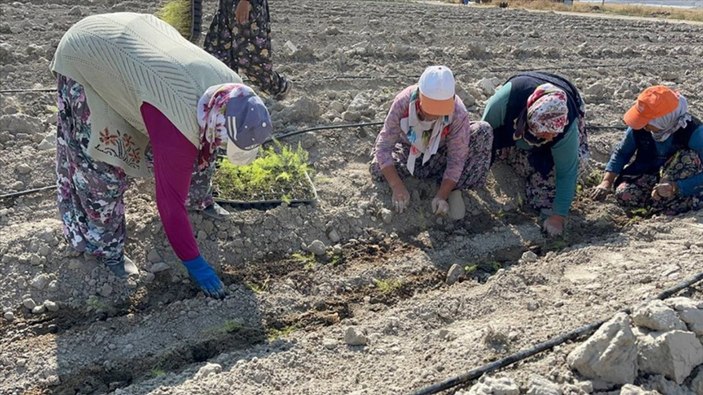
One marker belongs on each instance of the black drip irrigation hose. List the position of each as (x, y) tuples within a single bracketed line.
[(549, 344), (26, 192), (321, 127), (28, 90)]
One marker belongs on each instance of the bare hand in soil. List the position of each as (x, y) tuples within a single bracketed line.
[(401, 198), (440, 206), (241, 13), (554, 225), (601, 191)]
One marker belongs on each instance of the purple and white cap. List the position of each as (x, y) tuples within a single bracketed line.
[(248, 125)]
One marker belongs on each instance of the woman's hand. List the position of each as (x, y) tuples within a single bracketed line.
[(440, 206), (602, 190), (554, 225), (401, 197), (241, 13)]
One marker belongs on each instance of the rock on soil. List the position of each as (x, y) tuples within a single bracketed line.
[(672, 354), (610, 354), (657, 316)]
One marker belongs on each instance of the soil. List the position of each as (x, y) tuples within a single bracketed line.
[(344, 296)]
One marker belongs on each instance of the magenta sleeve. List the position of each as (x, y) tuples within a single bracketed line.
[(174, 158)]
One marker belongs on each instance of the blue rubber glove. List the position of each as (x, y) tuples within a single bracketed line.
[(205, 277)]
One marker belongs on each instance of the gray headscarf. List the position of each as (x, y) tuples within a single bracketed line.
[(672, 121)]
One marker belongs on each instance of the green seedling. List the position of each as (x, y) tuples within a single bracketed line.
[(275, 334), (157, 372), (387, 286), (494, 266), (594, 178), (307, 260), (231, 326), (256, 287), (589, 181), (286, 199), (638, 214), (488, 267), (96, 304), (279, 173), (335, 259)]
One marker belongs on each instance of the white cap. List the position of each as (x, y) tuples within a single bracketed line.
[(437, 88)]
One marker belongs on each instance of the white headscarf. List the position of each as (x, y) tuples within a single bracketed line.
[(672, 121)]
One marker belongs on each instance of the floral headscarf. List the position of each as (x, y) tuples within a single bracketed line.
[(671, 122), (211, 118), (546, 112)]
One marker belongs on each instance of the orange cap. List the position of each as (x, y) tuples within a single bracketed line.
[(652, 103), (436, 107)]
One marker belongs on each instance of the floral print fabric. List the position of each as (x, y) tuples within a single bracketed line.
[(245, 46), (635, 191), (475, 168), (540, 189), (89, 192)]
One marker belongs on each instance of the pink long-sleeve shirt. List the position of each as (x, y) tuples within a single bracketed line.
[(457, 140), (174, 158)]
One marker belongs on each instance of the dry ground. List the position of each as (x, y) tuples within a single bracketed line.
[(282, 328)]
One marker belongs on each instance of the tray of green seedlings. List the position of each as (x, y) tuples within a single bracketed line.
[(280, 175)]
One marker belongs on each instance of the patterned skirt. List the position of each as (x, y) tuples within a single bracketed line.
[(635, 191), (540, 190), (475, 168)]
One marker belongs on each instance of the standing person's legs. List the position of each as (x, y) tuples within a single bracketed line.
[(246, 47), (219, 40), (90, 193), (253, 52)]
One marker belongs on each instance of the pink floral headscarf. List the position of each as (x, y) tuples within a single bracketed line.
[(211, 118), (546, 112)]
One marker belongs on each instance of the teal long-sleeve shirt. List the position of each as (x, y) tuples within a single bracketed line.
[(564, 152)]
